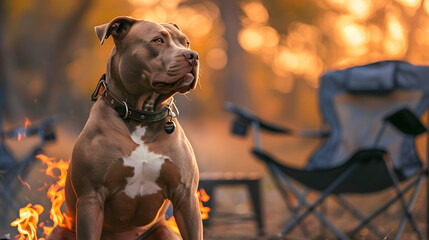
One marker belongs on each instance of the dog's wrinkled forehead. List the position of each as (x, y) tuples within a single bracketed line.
[(149, 31), (120, 27)]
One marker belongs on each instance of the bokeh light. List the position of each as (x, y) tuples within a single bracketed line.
[(256, 12), (216, 58), (360, 9)]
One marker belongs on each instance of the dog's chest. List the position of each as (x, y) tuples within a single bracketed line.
[(146, 168)]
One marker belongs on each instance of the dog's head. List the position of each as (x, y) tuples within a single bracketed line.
[(148, 55)]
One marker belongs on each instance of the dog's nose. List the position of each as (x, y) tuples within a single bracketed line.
[(191, 55)]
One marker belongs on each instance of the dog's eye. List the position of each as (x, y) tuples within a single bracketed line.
[(158, 40), (187, 44)]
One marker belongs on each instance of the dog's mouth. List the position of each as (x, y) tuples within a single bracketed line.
[(188, 80)]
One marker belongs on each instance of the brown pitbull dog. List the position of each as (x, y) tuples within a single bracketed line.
[(132, 158)]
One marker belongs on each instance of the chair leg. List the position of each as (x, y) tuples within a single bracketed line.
[(254, 190), (395, 181), (323, 210), (311, 208), (427, 199), (294, 210), (382, 208), (408, 209), (346, 205)]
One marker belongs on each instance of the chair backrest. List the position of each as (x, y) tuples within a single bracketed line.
[(354, 102)]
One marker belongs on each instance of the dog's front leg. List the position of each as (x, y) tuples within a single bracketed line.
[(187, 213), (89, 216)]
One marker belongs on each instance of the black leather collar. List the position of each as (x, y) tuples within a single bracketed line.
[(125, 111)]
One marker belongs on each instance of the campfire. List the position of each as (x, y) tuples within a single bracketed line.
[(28, 222), (203, 197)]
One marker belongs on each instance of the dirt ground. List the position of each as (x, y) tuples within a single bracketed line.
[(233, 216)]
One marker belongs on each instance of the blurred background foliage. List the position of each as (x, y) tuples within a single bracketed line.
[(266, 55)]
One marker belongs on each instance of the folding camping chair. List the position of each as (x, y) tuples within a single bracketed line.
[(11, 168), (372, 112)]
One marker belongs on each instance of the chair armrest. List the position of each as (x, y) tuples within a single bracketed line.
[(313, 133), (245, 118)]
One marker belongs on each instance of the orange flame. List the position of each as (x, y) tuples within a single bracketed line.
[(171, 222), (29, 216), (27, 221), (56, 192), (202, 197), (26, 125)]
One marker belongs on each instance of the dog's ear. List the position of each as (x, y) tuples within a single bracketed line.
[(175, 25), (118, 28)]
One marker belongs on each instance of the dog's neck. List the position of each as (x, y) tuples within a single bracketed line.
[(146, 100)]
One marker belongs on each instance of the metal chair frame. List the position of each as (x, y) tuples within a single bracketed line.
[(285, 186), (12, 168)]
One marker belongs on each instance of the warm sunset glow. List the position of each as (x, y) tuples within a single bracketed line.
[(395, 28), (256, 12), (422, 36), (196, 20), (253, 38), (426, 6), (347, 33), (395, 43), (216, 58), (271, 37), (250, 39), (409, 3), (359, 8), (144, 2), (284, 84), (355, 34), (337, 3), (197, 25)]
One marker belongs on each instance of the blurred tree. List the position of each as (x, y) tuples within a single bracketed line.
[(56, 84), (236, 78), (13, 107), (41, 39)]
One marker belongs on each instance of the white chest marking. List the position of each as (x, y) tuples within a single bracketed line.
[(147, 166)]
